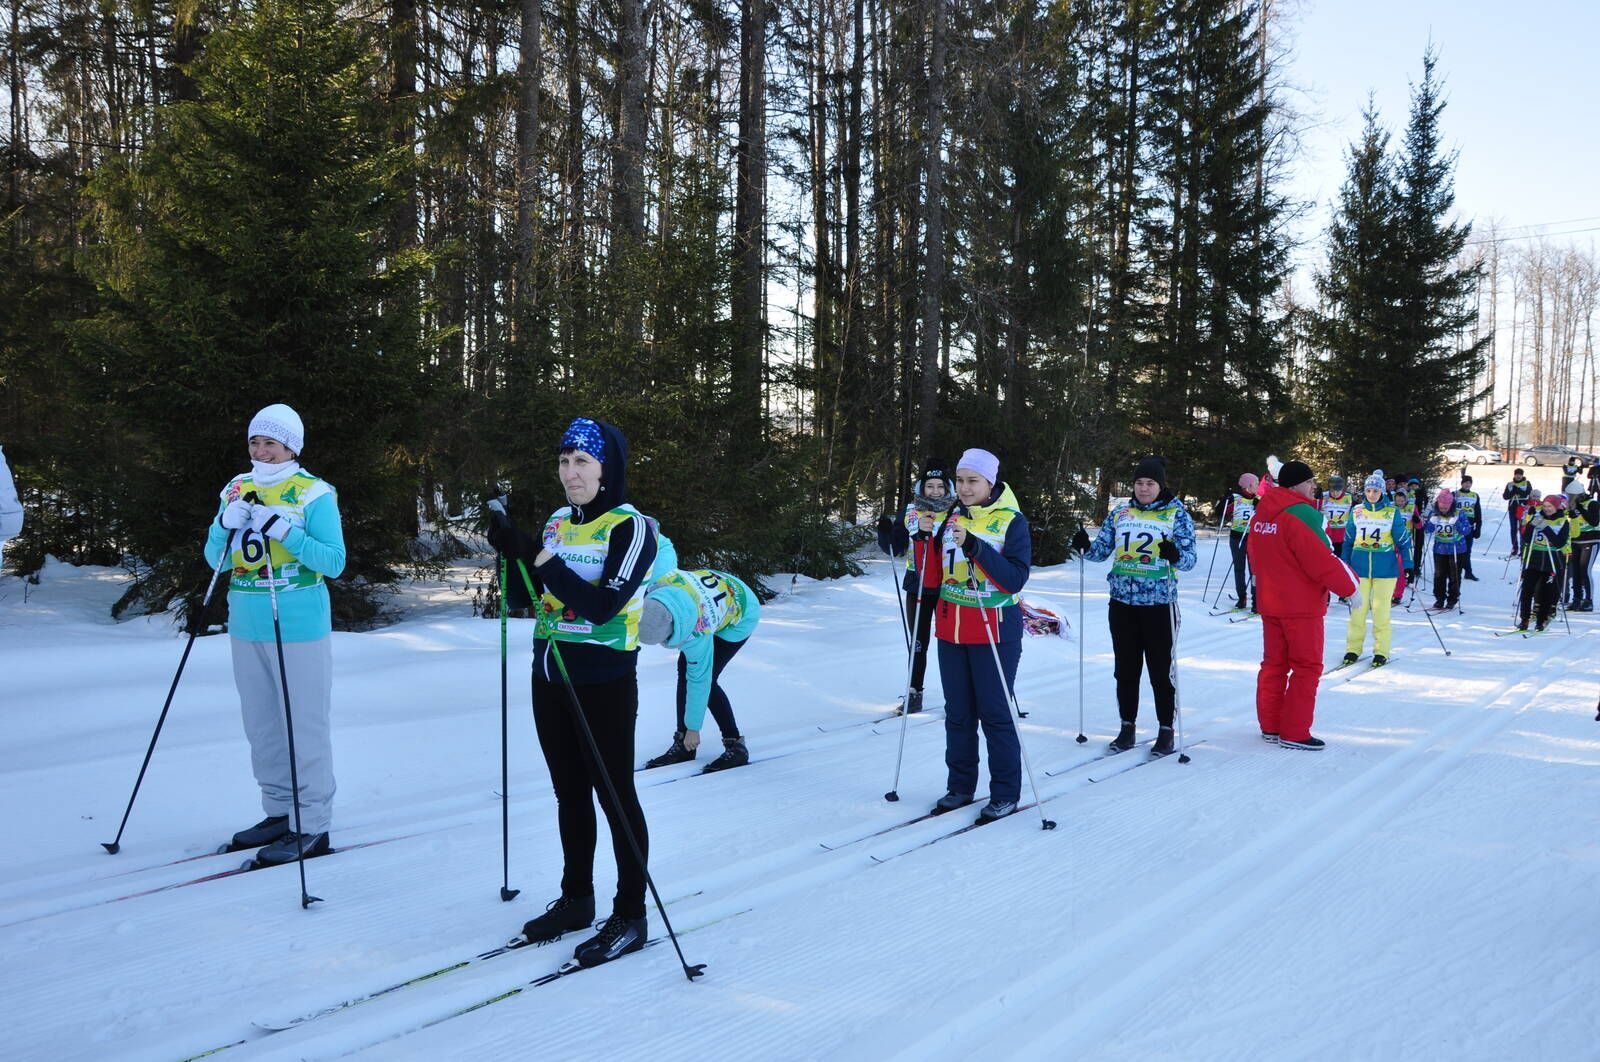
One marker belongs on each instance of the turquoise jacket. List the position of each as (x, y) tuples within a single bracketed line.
[(705, 605), (304, 614)]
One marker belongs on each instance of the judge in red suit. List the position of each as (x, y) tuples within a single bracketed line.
[(1296, 570)]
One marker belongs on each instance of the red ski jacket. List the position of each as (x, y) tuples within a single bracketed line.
[(1294, 565)]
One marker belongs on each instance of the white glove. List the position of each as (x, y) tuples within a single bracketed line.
[(236, 515), (266, 520)]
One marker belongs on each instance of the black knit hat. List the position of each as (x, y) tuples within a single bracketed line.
[(1293, 473), (934, 468), (1152, 467)]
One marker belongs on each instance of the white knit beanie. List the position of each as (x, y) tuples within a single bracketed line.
[(279, 422), (982, 462)]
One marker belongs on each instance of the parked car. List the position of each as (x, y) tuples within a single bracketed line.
[(1552, 454), (1465, 453)]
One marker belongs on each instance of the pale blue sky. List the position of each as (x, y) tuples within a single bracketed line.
[(1523, 83)]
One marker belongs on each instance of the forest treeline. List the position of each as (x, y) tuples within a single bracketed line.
[(790, 247)]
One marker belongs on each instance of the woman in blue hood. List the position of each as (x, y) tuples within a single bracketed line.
[(588, 571)]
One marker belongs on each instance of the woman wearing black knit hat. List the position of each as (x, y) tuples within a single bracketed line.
[(921, 581), (1150, 538)]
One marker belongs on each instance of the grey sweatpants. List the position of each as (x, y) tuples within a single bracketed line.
[(310, 668)]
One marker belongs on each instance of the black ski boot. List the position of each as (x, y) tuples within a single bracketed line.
[(914, 702), (734, 754), (996, 809), (1378, 660), (617, 937), (674, 754), (1164, 744), (1350, 658), (1126, 738), (283, 850), (949, 802), (262, 833), (1310, 744), (561, 915)]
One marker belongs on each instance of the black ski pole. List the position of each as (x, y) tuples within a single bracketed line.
[(1172, 664), (905, 716), (899, 603), (1081, 738), (116, 846), (690, 972), (306, 899), (507, 893), (1213, 565)]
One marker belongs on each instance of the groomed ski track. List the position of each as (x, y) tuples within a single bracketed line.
[(1423, 888)]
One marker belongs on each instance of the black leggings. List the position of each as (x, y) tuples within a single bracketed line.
[(721, 709), (1580, 590), (611, 708), (1541, 585), (1241, 566), (924, 622), (1141, 636), (1446, 578)]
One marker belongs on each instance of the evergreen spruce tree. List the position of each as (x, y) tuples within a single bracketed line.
[(1436, 290), (1395, 386), (245, 266), (1355, 328)]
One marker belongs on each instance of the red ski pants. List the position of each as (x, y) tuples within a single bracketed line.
[(1291, 667)]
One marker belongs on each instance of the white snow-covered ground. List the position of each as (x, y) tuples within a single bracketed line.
[(1425, 888)]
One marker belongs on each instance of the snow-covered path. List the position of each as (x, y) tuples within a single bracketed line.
[(1420, 889)]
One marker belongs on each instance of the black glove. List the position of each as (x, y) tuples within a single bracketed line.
[(502, 532), (885, 524), (1080, 541), (1169, 551)]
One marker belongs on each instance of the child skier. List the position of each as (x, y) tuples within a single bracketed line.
[(279, 514), (1546, 544), (707, 616), (1583, 513), (921, 581), (1451, 528), (1378, 539), (1238, 507), (1151, 539), (1472, 505), (984, 555), (1516, 495), (1336, 504), (1407, 505)]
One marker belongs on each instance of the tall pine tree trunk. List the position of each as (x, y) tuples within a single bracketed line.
[(627, 168), (529, 71), (750, 216), (932, 222)]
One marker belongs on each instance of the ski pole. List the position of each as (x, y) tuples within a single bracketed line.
[(1016, 711), (507, 893), (900, 607), (1214, 547), (893, 794), (1223, 585), (691, 972), (1172, 664), (1436, 634), (1081, 738), (1561, 593), (306, 899), (115, 846)]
